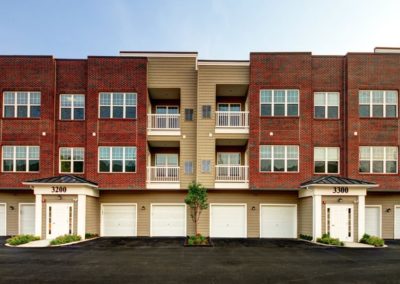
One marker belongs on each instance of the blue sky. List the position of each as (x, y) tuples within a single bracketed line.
[(217, 29)]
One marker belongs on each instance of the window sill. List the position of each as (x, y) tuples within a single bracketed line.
[(21, 118), (378, 174), (330, 174), (326, 119), (4, 172), (70, 120), (378, 118), (287, 117), (117, 119), (116, 172), (279, 172)]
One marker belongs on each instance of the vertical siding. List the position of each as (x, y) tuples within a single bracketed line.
[(208, 78), (92, 215), (54, 199), (345, 200), (304, 216), (13, 199), (179, 73)]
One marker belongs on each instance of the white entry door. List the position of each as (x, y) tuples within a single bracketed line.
[(59, 219), (228, 221), (3, 230), (373, 220), (339, 221), (168, 220), (278, 221), (27, 218), (118, 220)]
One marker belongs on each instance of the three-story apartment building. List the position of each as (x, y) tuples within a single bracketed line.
[(286, 143)]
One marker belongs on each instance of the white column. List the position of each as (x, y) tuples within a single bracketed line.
[(317, 217), (361, 216), (38, 216), (82, 215)]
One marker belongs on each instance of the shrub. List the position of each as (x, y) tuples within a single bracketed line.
[(326, 239), (65, 239), (90, 236), (21, 239), (197, 240), (372, 240), (306, 237)]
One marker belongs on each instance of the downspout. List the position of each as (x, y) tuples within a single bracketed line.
[(55, 118), (345, 113)]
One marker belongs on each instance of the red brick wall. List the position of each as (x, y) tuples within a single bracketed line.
[(54, 77)]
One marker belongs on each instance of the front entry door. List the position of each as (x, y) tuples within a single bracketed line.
[(59, 219), (339, 221)]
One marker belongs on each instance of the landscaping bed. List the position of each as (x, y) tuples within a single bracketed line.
[(21, 239), (198, 241)]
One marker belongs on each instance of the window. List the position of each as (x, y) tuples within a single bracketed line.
[(117, 105), (279, 102), (229, 107), (117, 159), (326, 160), (72, 107), (188, 167), (21, 158), (377, 103), (381, 160), (188, 114), (279, 158), (71, 160), (206, 166), (326, 105), (21, 104), (206, 111)]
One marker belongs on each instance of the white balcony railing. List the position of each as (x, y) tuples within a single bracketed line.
[(163, 174), (233, 119), (231, 173), (163, 121)]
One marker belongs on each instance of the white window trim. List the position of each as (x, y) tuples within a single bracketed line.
[(326, 105), (384, 104), (14, 159), (124, 106), (371, 160), (285, 159), (111, 159), (326, 160), (230, 153), (167, 155), (285, 103), (72, 107), (15, 104), (71, 161)]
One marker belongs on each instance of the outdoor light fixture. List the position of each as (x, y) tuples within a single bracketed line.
[(143, 208), (340, 200), (253, 208), (388, 210), (12, 207), (59, 197)]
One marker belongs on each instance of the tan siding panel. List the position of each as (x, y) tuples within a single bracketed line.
[(92, 215), (305, 212)]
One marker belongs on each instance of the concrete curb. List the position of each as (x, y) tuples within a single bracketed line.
[(73, 243), (326, 245)]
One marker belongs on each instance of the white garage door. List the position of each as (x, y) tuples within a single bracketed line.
[(373, 221), (118, 220), (397, 222), (278, 221), (228, 221), (168, 220), (27, 219), (3, 230)]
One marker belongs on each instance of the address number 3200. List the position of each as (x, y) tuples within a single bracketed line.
[(58, 189)]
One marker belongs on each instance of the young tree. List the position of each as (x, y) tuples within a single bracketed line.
[(197, 201)]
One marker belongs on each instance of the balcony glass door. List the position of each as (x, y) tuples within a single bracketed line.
[(228, 163), (232, 116), (167, 165), (166, 117)]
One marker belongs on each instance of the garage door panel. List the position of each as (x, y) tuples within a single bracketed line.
[(278, 221), (168, 220), (373, 221), (397, 223), (228, 221), (3, 230), (119, 220), (27, 219)]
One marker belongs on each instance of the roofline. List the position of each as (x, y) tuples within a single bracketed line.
[(281, 52), (159, 53), (62, 183), (339, 184), (224, 62)]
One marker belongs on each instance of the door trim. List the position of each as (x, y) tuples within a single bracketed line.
[(47, 216), (380, 217), (116, 204), (166, 204), (352, 217), (19, 214), (394, 222), (229, 204), (277, 205), (5, 218)]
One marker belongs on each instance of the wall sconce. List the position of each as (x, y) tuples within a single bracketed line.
[(59, 197), (253, 208), (340, 199), (12, 207), (388, 210), (143, 208)]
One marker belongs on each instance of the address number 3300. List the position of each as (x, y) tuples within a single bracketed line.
[(341, 189)]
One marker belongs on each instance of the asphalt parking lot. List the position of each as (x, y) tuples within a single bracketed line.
[(229, 261)]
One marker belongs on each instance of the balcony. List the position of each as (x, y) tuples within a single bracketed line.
[(232, 122), (163, 124), (231, 176), (163, 177)]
